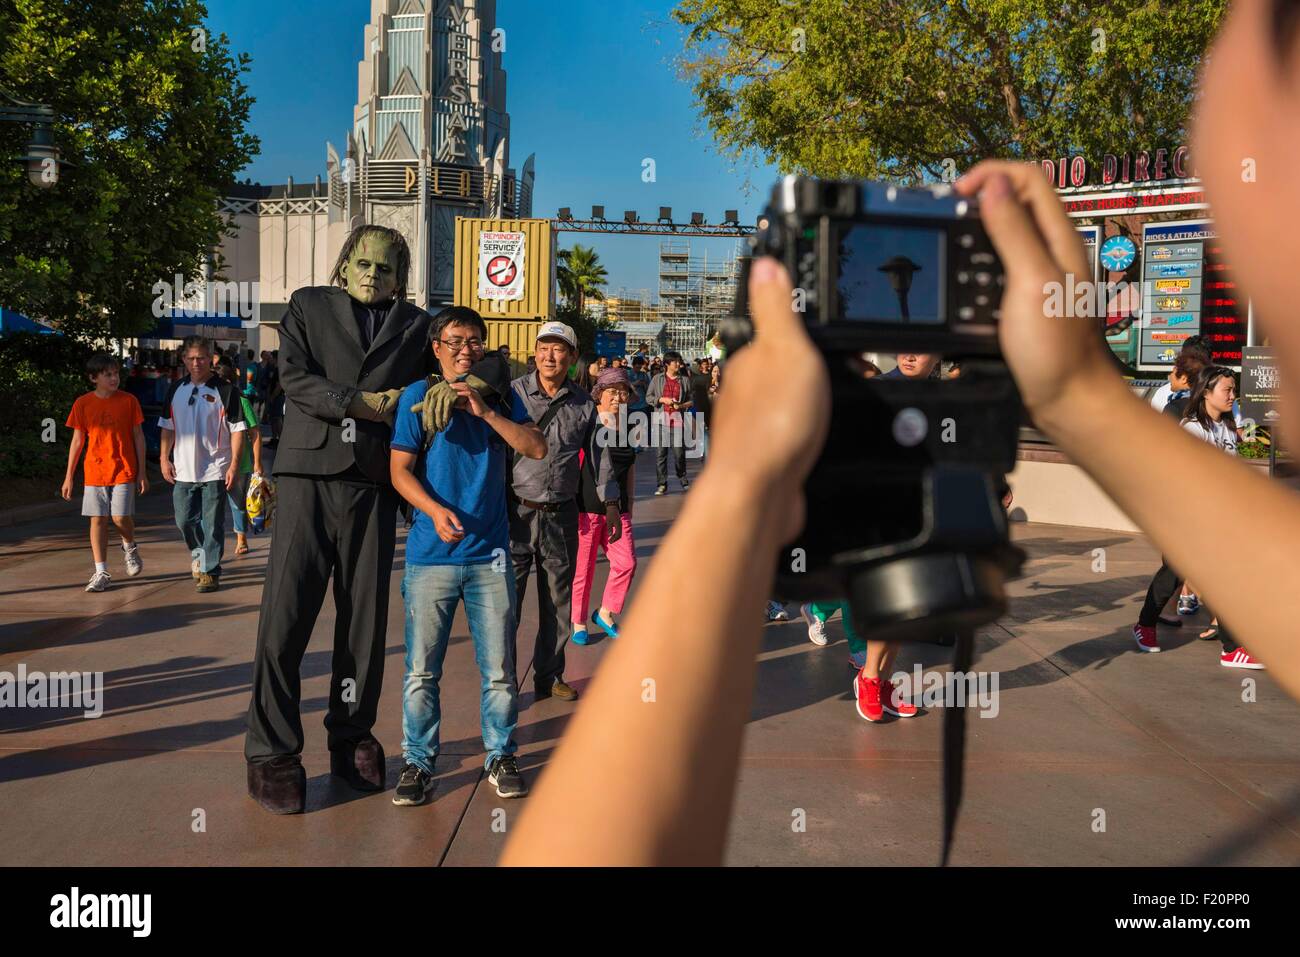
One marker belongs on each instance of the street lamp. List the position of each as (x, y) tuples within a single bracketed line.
[(42, 156), (900, 270)]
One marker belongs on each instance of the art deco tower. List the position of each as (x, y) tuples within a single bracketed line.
[(430, 137)]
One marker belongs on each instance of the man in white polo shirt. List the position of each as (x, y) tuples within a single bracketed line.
[(202, 435)]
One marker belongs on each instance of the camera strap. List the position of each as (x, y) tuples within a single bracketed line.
[(954, 743)]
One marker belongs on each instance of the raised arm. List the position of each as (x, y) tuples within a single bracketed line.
[(683, 695), (1076, 397)]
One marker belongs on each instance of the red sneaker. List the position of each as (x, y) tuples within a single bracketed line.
[(1145, 636), (1241, 658), (867, 691), (894, 702)]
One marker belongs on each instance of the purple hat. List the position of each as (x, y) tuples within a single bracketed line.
[(608, 377)]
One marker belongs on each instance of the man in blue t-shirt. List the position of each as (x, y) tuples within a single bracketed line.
[(459, 547)]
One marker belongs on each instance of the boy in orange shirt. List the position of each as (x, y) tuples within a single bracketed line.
[(106, 424)]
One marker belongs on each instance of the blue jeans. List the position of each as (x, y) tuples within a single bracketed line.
[(238, 496), (430, 593), (201, 517)]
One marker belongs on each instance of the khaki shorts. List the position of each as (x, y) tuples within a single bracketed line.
[(101, 500)]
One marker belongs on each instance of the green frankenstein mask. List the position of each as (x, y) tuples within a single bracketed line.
[(371, 271)]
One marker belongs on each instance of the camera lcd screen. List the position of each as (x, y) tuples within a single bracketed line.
[(892, 274)]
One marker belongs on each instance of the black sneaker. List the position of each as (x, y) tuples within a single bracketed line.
[(662, 490), (686, 483), (503, 774), (413, 787)]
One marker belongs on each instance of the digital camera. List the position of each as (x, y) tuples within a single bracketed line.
[(904, 513)]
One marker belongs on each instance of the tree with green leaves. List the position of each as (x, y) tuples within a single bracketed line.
[(584, 326), (152, 115), (923, 89), (580, 276)]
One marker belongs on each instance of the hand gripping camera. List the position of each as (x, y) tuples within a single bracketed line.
[(904, 513)]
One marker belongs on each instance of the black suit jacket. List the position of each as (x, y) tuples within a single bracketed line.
[(322, 365)]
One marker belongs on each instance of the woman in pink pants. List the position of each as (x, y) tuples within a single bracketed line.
[(612, 391)]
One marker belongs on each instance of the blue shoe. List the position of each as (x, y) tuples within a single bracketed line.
[(580, 637), (606, 627)]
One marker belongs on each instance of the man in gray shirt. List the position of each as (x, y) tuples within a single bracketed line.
[(543, 499)]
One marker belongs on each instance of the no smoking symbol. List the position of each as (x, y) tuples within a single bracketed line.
[(501, 270)]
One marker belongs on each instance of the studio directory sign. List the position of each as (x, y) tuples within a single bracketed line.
[(1173, 267)]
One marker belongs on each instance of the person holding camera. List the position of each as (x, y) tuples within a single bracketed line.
[(1068, 382), (675, 810)]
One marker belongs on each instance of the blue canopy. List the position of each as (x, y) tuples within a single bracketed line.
[(11, 321), (185, 322)]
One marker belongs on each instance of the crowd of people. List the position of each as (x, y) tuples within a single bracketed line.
[(552, 514), (515, 478), (511, 479)]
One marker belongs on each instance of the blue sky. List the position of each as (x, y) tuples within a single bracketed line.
[(591, 90)]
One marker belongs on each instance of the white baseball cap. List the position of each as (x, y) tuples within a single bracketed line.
[(559, 330)]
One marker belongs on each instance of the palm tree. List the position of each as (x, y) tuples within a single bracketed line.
[(580, 275)]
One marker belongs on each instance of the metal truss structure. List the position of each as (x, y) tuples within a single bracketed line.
[(651, 229)]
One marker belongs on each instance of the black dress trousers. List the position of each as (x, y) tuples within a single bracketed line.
[(340, 526)]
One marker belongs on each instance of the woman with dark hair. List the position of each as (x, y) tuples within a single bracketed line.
[(1209, 408), (1209, 418)]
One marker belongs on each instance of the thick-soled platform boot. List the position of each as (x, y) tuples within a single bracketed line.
[(279, 785), (361, 764)]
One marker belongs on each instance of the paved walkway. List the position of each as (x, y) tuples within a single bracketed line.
[(1183, 770)]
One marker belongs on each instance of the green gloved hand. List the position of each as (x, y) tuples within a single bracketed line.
[(436, 406), (479, 386), (375, 406), (440, 400)]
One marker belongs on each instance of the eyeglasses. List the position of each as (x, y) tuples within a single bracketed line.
[(456, 343)]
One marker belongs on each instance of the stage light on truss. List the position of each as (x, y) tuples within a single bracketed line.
[(598, 213), (629, 216), (697, 219), (665, 214), (731, 217), (565, 214)]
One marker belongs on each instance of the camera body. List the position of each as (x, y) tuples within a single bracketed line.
[(904, 516)]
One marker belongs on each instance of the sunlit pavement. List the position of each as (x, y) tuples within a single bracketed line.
[(1097, 754)]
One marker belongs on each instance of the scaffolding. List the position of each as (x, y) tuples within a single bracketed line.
[(695, 291)]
